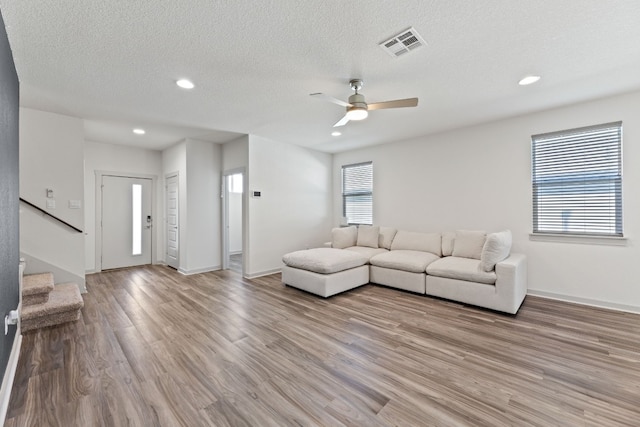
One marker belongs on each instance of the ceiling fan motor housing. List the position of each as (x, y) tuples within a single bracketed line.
[(357, 109), (357, 100)]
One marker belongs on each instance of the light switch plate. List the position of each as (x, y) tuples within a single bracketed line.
[(74, 204), (51, 203)]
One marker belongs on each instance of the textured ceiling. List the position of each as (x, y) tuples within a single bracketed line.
[(114, 64)]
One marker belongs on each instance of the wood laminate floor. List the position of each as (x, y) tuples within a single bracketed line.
[(155, 348), (235, 262)]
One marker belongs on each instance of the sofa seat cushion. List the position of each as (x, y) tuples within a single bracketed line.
[(462, 269), (368, 252), (324, 260), (405, 260)]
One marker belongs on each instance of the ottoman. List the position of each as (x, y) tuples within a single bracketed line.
[(325, 271)]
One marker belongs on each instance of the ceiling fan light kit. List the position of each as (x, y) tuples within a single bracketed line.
[(357, 113), (357, 107)]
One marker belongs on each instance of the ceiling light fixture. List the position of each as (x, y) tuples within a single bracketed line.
[(139, 131), (357, 113), (528, 80), (336, 133), (185, 84)]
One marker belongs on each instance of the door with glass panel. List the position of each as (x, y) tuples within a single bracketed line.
[(127, 224)]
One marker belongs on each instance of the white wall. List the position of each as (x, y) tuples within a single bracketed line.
[(125, 160), (480, 178), (294, 211), (198, 164), (235, 154), (51, 156), (204, 244)]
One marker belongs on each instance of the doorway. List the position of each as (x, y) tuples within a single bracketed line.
[(233, 240), (126, 221)]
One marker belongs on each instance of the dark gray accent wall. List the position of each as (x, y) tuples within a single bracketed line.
[(9, 195)]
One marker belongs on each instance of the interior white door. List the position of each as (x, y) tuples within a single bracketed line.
[(126, 221), (171, 196)]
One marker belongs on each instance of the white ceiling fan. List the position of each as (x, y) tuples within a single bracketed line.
[(358, 109)]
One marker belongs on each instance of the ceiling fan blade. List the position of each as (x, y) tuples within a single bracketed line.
[(330, 99), (343, 121), (398, 103)]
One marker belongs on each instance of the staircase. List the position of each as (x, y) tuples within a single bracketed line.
[(44, 304)]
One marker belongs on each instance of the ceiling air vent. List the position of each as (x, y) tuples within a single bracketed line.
[(402, 43)]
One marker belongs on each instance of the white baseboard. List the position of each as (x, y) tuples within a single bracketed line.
[(199, 270), (585, 301), (262, 273), (9, 375)]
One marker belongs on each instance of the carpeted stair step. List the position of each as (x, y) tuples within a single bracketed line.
[(36, 288), (64, 305)]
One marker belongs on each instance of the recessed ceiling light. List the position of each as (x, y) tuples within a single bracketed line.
[(336, 133), (139, 131), (185, 84), (528, 80)]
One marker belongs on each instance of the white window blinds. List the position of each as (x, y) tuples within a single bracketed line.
[(357, 193), (577, 181)]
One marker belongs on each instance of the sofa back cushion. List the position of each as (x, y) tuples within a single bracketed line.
[(495, 249), (447, 242), (386, 237), (368, 236), (469, 244), (344, 237), (414, 241)]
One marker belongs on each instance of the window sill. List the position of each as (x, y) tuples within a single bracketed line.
[(585, 240)]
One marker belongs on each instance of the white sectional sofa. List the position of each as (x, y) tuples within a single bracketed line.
[(472, 267)]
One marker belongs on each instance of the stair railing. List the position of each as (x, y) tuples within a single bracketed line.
[(52, 216)]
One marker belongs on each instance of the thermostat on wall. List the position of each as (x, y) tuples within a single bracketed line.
[(256, 194)]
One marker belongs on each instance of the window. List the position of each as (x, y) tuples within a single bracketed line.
[(577, 181), (357, 193), (136, 214), (235, 183)]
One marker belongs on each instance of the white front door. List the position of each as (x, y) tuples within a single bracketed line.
[(126, 221), (171, 196)]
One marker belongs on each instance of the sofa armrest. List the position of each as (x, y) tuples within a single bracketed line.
[(511, 280)]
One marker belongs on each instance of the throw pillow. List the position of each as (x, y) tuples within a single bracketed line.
[(447, 242), (469, 244), (414, 241), (344, 237), (495, 249), (368, 236), (386, 237)]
